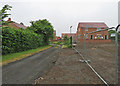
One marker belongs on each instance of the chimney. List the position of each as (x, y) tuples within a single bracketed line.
[(9, 20)]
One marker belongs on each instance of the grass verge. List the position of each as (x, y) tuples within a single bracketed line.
[(20, 55)]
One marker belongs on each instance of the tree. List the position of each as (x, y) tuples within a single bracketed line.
[(21, 23), (43, 27), (65, 38), (110, 32), (4, 14)]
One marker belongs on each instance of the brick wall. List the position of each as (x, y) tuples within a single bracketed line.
[(95, 41)]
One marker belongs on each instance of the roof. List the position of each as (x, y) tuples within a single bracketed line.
[(93, 24), (19, 25), (15, 25)]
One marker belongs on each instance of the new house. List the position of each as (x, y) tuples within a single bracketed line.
[(95, 30)]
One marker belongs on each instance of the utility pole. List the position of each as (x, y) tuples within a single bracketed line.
[(70, 30)]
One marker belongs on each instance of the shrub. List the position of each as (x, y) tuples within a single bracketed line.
[(16, 40)]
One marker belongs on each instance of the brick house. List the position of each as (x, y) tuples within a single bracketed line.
[(87, 27), (15, 25)]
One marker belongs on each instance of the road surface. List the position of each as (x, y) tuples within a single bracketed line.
[(25, 71)]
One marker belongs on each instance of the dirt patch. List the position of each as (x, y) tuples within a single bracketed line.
[(69, 70), (102, 57)]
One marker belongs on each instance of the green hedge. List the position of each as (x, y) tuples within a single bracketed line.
[(16, 40)]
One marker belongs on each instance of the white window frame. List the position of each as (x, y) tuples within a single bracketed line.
[(98, 29), (86, 29)]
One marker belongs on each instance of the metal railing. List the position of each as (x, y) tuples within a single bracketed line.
[(100, 52)]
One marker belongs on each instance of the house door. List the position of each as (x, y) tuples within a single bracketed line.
[(105, 36), (91, 36)]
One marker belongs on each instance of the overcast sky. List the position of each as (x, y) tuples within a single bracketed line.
[(64, 13)]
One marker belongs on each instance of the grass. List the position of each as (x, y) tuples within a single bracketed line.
[(58, 42), (65, 44), (20, 55)]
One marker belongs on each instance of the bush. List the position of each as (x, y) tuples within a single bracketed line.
[(67, 42), (16, 40)]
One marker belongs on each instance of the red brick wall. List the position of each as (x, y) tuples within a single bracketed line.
[(95, 41)]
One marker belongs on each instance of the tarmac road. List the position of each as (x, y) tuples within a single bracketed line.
[(25, 71)]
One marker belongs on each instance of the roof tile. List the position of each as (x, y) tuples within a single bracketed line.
[(93, 24)]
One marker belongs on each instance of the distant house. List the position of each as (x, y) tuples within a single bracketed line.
[(55, 37), (68, 34), (15, 25), (98, 36)]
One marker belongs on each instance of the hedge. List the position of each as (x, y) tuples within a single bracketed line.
[(16, 40)]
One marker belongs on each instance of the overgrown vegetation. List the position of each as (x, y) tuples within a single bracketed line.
[(58, 42), (17, 40), (67, 43), (4, 14), (42, 27), (113, 32)]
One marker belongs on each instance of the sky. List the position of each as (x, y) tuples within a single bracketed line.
[(64, 13)]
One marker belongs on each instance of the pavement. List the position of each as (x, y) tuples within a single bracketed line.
[(25, 71)]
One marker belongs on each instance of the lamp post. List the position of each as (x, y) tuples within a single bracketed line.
[(70, 29), (70, 36)]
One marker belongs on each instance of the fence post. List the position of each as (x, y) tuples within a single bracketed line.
[(71, 41), (119, 59), (116, 58), (85, 46)]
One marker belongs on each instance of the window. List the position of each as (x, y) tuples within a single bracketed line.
[(105, 36), (98, 29), (99, 35), (86, 36), (91, 36), (86, 29)]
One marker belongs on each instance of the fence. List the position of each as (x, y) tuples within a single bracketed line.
[(100, 54)]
